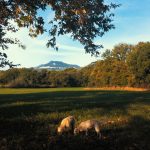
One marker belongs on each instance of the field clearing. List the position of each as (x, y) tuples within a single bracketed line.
[(29, 118)]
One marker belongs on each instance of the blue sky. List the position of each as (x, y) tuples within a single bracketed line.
[(132, 21)]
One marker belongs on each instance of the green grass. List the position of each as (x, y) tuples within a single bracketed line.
[(29, 119)]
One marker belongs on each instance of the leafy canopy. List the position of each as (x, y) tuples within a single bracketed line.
[(82, 19)]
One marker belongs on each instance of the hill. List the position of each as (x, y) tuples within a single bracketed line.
[(57, 65)]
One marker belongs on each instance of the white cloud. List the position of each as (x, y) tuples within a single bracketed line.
[(70, 48)]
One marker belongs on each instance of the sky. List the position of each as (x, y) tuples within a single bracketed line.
[(132, 22)]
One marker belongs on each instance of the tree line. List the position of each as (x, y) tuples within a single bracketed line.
[(124, 65)]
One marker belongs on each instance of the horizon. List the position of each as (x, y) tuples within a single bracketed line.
[(132, 26)]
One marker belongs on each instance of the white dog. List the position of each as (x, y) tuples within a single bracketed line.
[(67, 125)]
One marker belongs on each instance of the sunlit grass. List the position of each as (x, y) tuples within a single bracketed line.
[(34, 90)]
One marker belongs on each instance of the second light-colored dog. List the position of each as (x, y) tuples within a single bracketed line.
[(89, 125)]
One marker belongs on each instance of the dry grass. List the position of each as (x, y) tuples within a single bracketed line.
[(116, 88)]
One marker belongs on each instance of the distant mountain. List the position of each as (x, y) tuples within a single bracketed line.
[(57, 65)]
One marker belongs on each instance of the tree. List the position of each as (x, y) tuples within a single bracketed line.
[(121, 51), (9, 75), (139, 64), (82, 19), (113, 69), (101, 74)]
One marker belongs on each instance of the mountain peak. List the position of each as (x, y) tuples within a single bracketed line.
[(57, 65)]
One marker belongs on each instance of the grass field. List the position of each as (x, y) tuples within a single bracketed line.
[(29, 118)]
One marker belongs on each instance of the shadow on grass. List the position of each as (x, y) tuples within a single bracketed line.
[(31, 104), (20, 130), (134, 135)]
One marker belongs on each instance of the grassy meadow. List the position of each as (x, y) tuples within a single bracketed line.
[(29, 119)]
